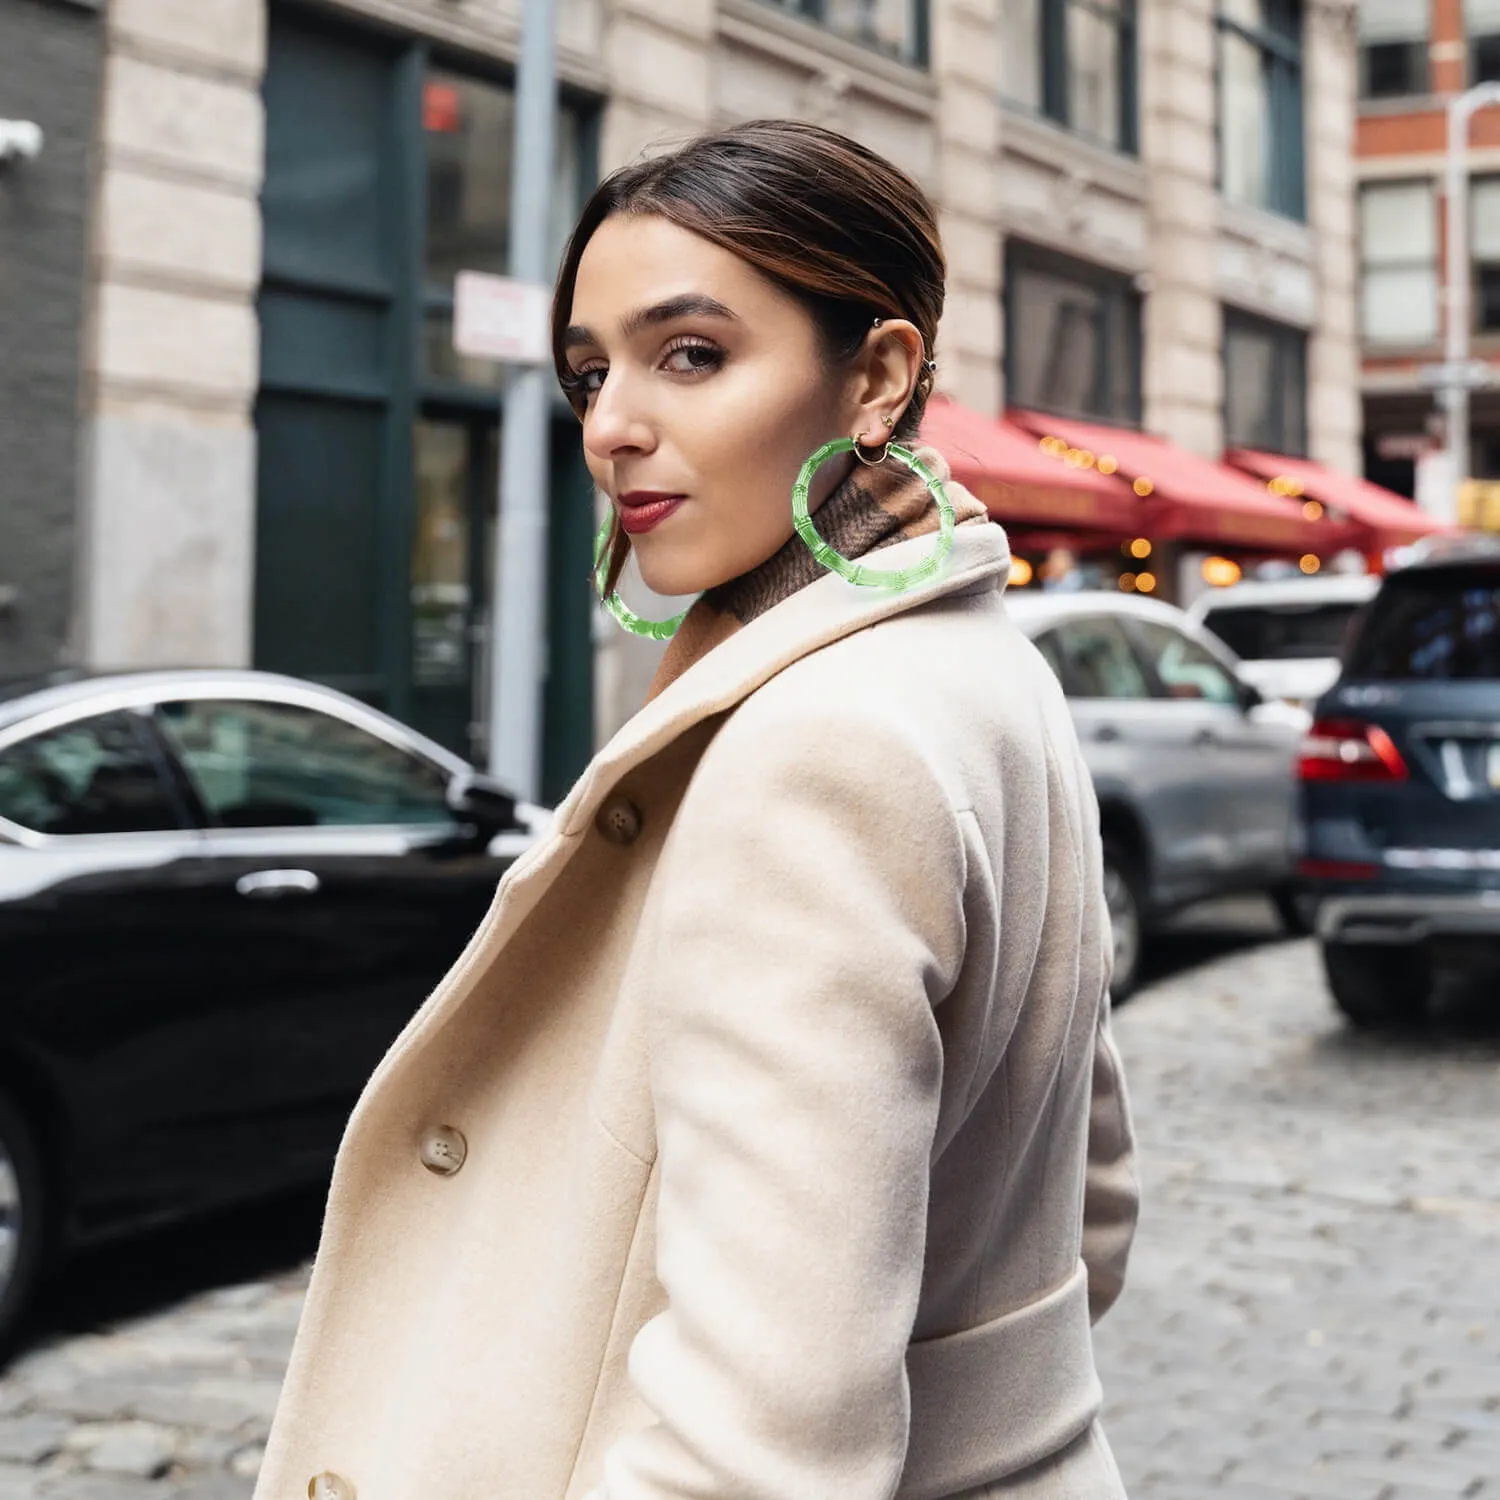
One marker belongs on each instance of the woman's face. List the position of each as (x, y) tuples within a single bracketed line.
[(706, 389)]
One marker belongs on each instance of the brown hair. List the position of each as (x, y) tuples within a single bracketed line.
[(830, 222)]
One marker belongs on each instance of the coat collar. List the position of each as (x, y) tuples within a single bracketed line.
[(810, 619)]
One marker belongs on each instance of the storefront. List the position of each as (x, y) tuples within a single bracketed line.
[(1087, 505), (387, 172)]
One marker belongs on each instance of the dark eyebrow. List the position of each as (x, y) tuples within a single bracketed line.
[(688, 305)]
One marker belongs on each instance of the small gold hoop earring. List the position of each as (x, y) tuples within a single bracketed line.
[(872, 463)]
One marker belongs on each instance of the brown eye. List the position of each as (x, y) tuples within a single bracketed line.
[(693, 358)]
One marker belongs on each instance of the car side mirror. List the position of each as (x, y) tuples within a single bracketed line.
[(483, 804), (1251, 696)]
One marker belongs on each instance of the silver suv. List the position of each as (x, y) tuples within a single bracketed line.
[(1193, 768)]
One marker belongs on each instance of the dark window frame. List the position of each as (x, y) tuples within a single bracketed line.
[(1279, 43), (1288, 344), (1054, 71), (1121, 320), (916, 54), (1418, 82)]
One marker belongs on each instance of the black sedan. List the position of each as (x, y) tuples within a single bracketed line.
[(222, 894)]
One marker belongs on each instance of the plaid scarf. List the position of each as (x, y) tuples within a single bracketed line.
[(874, 507)]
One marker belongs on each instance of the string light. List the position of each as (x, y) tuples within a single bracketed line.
[(1143, 486), (1310, 563), (1021, 572), (1312, 510), (1145, 582), (1108, 463), (1127, 582), (1221, 572), (1140, 547)]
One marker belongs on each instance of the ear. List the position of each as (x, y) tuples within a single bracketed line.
[(886, 372)]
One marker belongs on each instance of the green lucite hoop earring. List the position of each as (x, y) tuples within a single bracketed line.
[(625, 617), (895, 579)]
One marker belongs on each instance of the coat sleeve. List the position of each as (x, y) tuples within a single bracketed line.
[(806, 917), (1112, 1196)]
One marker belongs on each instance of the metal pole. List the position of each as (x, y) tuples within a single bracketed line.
[(1456, 333), (518, 637)]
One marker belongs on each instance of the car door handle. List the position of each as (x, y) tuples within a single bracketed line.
[(1205, 737), (1106, 734), (269, 885)]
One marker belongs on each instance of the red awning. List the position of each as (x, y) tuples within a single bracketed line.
[(1387, 519), (1003, 466), (1192, 498)]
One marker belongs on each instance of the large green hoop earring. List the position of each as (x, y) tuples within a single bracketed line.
[(625, 617), (895, 579)]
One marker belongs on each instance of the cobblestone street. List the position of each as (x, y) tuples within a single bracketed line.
[(1314, 1307)]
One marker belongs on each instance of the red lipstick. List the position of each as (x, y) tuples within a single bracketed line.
[(643, 510)]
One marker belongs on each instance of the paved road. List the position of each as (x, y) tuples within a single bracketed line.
[(1314, 1308)]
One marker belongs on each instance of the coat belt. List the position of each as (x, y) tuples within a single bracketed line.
[(991, 1401)]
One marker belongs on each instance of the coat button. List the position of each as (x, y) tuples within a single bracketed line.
[(619, 821), (443, 1152), (329, 1487)]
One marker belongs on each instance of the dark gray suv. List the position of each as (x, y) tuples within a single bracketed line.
[(1400, 787)]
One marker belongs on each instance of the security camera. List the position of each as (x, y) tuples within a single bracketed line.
[(21, 139)]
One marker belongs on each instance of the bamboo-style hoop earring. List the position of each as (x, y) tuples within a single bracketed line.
[(896, 579), (625, 617)]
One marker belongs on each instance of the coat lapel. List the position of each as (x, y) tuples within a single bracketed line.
[(813, 618), (810, 619)]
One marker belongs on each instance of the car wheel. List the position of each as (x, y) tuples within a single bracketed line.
[(1122, 898), (23, 1225), (1377, 984), (1293, 921)]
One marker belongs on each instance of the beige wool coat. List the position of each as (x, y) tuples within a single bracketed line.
[(767, 1142)]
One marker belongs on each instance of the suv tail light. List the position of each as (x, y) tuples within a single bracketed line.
[(1346, 750)]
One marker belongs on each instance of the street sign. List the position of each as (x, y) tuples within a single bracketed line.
[(1471, 374), (497, 317)]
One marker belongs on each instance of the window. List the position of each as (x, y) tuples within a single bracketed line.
[(275, 765), (1075, 62), (468, 125), (1484, 244), (898, 28), (1398, 263), (1432, 623), (1260, 104), (1097, 659), (1393, 38), (1187, 669), (1284, 632), (1073, 338), (1482, 27), (94, 777), (1265, 385)]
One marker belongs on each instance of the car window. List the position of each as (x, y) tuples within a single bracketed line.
[(1283, 632), (277, 765), (1440, 624), (95, 776), (1051, 649), (1099, 661), (1187, 668)]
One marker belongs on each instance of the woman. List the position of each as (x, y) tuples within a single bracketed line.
[(767, 1141)]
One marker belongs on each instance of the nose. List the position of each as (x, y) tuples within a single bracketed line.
[(615, 424)]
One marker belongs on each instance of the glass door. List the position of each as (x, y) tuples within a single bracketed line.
[(452, 566)]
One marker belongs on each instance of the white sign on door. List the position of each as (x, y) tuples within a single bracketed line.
[(495, 317)]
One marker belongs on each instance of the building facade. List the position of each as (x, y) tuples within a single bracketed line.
[(50, 55), (290, 465), (1415, 57)]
